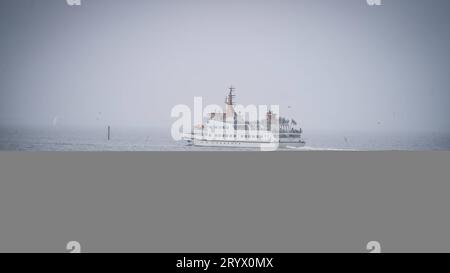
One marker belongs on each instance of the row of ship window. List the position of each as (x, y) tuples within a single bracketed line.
[(241, 136)]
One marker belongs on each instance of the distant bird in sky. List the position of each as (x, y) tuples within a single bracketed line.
[(55, 121)]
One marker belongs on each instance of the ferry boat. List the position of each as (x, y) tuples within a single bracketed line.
[(229, 129)]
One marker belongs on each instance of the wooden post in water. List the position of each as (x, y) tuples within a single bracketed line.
[(109, 132)]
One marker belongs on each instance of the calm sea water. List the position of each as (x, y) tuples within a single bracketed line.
[(57, 139)]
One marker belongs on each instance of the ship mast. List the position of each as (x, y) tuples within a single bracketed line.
[(230, 97), (229, 101)]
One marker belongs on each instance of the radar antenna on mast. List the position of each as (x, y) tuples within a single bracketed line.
[(230, 98)]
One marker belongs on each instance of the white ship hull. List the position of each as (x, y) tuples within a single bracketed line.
[(244, 143)]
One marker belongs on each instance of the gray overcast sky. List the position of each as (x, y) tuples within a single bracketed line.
[(338, 64)]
